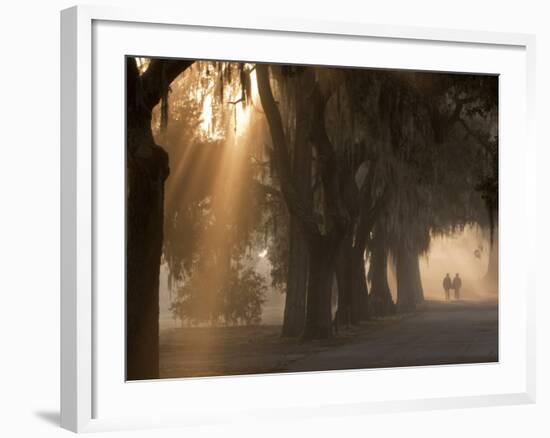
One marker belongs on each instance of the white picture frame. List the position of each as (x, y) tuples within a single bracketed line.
[(90, 401)]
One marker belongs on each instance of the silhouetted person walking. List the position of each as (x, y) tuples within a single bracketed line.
[(447, 285), (457, 284)]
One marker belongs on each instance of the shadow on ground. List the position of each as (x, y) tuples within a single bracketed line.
[(51, 417)]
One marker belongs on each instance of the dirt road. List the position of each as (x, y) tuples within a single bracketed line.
[(438, 333)]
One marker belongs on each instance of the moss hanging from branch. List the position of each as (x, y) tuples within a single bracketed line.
[(164, 101)]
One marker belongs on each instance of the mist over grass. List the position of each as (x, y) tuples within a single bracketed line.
[(466, 252)]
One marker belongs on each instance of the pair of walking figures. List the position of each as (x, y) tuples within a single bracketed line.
[(455, 284)]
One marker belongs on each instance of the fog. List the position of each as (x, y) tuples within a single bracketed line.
[(466, 252)]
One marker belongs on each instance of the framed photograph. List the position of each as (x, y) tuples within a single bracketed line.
[(275, 218)]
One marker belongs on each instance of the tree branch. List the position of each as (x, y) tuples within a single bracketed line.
[(296, 205), (328, 163), (368, 215), (158, 76)]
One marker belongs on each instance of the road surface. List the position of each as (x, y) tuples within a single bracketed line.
[(440, 333)]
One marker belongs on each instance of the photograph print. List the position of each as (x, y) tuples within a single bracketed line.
[(301, 218)]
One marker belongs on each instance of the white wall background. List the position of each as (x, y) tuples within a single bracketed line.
[(29, 216)]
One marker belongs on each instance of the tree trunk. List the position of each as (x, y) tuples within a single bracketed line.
[(359, 301), (352, 285), (298, 267), (344, 276), (147, 170), (295, 302), (145, 212), (409, 285), (491, 277), (368, 212), (319, 292), (418, 282), (322, 247), (381, 303)]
